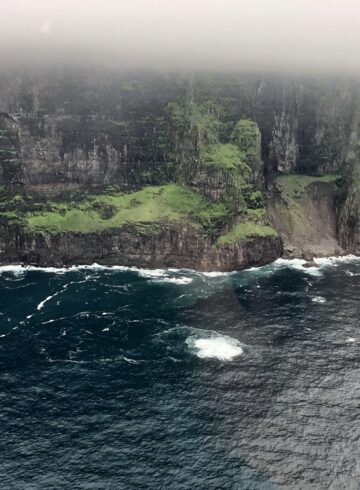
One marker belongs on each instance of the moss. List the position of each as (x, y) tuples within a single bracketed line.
[(256, 200), (228, 157), (119, 123), (9, 215), (12, 151), (258, 213), (223, 156), (203, 117), (293, 186), (151, 205), (246, 135), (244, 231)]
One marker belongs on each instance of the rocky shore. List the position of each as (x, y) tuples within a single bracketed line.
[(205, 172)]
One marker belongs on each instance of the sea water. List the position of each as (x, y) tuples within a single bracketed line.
[(132, 379)]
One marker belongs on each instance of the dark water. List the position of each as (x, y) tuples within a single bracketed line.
[(133, 380)]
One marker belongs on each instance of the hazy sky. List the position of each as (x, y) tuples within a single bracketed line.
[(210, 34)]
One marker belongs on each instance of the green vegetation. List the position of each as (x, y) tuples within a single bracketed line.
[(259, 213), (148, 207), (9, 215), (294, 186), (226, 156), (13, 151), (119, 123), (246, 135), (256, 200), (202, 116), (244, 231)]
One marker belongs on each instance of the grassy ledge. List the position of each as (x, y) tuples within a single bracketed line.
[(148, 207), (294, 185), (244, 231)]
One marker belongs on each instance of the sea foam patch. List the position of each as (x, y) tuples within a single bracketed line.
[(298, 264), (178, 280), (351, 340), (165, 275), (318, 299), (221, 347), (329, 261)]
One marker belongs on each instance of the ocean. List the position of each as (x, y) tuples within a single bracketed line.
[(122, 378)]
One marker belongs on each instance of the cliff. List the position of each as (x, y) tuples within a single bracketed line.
[(205, 172)]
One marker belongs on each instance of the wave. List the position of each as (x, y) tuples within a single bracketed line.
[(178, 280), (216, 273), (318, 299), (215, 346), (298, 264), (329, 261), (166, 273), (44, 301)]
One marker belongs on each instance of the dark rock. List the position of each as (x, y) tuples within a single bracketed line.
[(91, 131)]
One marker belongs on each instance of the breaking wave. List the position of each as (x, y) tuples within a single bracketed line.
[(318, 299), (216, 346)]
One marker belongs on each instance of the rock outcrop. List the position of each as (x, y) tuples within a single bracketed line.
[(163, 171)]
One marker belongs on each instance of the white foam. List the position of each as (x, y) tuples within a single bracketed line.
[(328, 261), (219, 347), (298, 264), (151, 272), (21, 269), (279, 263), (42, 303), (178, 280), (216, 273), (351, 339), (318, 299)]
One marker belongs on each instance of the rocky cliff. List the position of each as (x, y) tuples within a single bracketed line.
[(206, 172)]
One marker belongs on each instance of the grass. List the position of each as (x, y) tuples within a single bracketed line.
[(13, 151), (246, 135), (258, 213), (224, 156), (294, 185), (202, 116), (150, 207), (228, 157), (119, 123), (244, 231)]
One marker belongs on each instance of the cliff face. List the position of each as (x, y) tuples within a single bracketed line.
[(175, 171)]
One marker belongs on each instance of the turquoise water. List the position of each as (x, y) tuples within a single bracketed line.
[(127, 379)]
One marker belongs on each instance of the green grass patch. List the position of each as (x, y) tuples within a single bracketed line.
[(244, 231), (259, 213), (150, 207), (204, 116), (119, 123), (294, 185), (226, 156), (12, 151)]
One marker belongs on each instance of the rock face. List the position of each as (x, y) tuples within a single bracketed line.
[(304, 214), (169, 247), (162, 171)]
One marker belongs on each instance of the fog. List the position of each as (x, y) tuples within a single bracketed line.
[(275, 35)]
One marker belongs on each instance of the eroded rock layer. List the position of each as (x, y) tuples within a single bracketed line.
[(205, 172)]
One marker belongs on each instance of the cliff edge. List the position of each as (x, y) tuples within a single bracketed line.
[(206, 172)]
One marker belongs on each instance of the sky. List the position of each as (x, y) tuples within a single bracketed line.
[(284, 35)]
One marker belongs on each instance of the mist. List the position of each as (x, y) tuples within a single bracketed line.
[(257, 35)]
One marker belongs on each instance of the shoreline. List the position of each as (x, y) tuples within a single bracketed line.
[(299, 263)]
